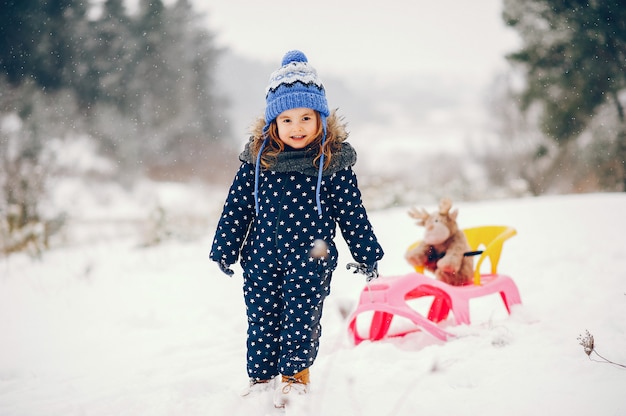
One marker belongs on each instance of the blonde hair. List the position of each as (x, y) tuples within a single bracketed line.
[(275, 146)]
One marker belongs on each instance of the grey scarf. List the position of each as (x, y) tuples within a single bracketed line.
[(302, 160)]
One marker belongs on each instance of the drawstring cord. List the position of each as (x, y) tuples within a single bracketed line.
[(257, 172), (320, 171)]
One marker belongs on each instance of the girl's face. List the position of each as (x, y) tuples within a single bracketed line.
[(297, 127)]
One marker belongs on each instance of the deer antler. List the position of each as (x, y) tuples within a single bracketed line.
[(419, 214), (444, 206)]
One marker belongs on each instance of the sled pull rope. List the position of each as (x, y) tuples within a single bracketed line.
[(433, 255)]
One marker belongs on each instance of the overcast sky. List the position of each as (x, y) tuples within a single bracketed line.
[(456, 38)]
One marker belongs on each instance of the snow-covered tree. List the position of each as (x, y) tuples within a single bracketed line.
[(139, 84), (574, 57)]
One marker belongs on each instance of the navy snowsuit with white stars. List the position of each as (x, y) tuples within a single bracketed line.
[(284, 286)]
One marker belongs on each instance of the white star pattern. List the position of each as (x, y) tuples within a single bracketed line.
[(284, 287)]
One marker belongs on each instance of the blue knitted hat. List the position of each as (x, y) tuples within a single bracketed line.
[(294, 85)]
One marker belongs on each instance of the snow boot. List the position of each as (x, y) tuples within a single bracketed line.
[(290, 386), (258, 386)]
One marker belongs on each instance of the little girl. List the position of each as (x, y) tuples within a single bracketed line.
[(294, 186)]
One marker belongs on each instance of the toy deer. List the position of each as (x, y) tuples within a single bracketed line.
[(444, 248)]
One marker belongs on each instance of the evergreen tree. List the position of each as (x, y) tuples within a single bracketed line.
[(112, 50), (142, 83), (43, 39), (171, 93), (574, 59), (191, 52), (19, 38)]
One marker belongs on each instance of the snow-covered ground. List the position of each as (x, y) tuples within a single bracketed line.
[(106, 326)]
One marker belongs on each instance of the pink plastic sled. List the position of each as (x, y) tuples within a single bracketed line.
[(387, 297)]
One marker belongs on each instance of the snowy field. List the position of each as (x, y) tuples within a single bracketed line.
[(105, 326)]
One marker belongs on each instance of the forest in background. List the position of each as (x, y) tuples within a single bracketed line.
[(141, 85), (559, 112), (89, 90), (137, 91)]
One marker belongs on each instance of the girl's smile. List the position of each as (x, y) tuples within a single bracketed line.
[(297, 127)]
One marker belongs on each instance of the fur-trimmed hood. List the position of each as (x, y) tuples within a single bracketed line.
[(302, 160), (334, 124)]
